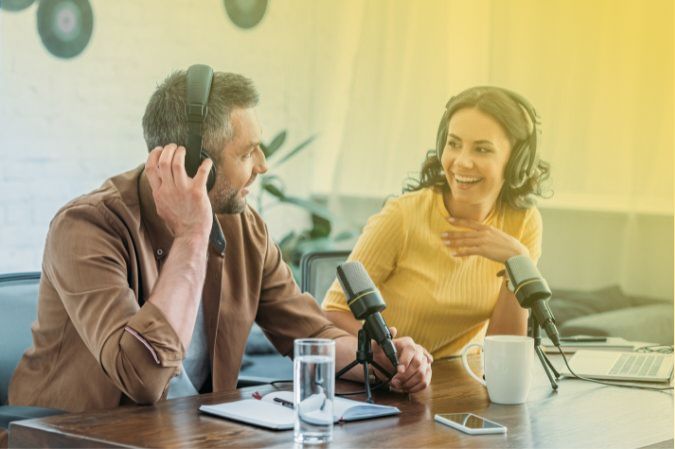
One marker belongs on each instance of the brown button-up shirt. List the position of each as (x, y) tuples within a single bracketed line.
[(96, 342)]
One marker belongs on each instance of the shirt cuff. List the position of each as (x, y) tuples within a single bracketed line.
[(151, 329)]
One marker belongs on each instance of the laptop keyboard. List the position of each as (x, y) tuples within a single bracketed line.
[(637, 365)]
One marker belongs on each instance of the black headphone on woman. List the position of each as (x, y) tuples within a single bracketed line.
[(199, 79), (523, 158)]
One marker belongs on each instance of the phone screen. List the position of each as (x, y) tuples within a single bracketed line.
[(470, 421)]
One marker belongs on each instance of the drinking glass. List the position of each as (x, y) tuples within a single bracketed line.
[(313, 390)]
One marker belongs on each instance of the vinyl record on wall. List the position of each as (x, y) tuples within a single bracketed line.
[(65, 26), (245, 13), (15, 5)]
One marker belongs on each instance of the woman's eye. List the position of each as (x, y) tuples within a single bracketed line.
[(483, 150), (453, 144)]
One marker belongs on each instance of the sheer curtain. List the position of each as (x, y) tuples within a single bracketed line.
[(389, 82), (599, 73)]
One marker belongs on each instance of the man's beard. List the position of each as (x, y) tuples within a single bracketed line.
[(226, 200)]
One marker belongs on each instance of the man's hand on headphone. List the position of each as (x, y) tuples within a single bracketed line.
[(182, 202)]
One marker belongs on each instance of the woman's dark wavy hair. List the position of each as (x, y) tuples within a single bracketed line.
[(525, 173)]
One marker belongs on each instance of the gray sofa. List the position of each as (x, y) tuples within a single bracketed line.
[(18, 303), (610, 312)]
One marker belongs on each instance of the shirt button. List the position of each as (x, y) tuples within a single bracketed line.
[(160, 252)]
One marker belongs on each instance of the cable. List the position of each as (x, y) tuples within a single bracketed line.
[(275, 383), (660, 349), (279, 384), (611, 384), (377, 386)]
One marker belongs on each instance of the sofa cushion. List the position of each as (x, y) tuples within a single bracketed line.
[(570, 304), (18, 305), (9, 413), (257, 343), (651, 323)]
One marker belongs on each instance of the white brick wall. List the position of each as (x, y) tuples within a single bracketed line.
[(66, 125)]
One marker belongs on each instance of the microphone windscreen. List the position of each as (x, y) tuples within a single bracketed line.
[(521, 268), (354, 278)]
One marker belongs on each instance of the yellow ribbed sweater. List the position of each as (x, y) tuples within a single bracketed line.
[(442, 302)]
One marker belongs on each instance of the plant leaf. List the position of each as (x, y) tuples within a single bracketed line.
[(294, 151), (344, 235), (274, 185), (275, 191), (320, 227), (274, 145)]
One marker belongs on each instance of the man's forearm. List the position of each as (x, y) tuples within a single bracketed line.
[(345, 353), (179, 287), (345, 321)]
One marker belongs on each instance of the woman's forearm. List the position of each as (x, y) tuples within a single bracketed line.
[(508, 318)]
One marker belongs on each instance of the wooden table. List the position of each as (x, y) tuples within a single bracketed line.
[(580, 414)]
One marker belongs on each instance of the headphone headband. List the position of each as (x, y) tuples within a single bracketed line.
[(199, 79)]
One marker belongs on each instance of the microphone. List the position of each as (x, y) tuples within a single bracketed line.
[(532, 292), (366, 303)]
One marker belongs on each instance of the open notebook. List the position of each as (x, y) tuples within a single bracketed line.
[(266, 412)]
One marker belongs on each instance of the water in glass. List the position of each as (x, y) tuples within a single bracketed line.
[(314, 377)]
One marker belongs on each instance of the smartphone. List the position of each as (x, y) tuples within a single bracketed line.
[(470, 423)]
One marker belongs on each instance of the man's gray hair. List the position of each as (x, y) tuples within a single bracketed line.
[(165, 118)]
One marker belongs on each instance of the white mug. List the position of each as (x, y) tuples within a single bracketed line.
[(507, 362)]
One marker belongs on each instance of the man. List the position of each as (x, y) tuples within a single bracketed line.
[(140, 301)]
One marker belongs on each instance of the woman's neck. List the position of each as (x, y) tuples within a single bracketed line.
[(477, 212)]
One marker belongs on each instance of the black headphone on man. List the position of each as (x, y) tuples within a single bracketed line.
[(199, 79), (523, 158)]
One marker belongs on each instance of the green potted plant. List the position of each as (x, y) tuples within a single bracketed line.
[(317, 237)]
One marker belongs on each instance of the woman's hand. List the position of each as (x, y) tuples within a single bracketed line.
[(481, 240)]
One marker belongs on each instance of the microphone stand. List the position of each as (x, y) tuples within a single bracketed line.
[(364, 356), (549, 369)]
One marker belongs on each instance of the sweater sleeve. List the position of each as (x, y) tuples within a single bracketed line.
[(378, 249)]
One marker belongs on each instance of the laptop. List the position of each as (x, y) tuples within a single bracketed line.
[(629, 366)]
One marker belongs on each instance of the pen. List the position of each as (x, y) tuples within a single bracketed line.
[(284, 402)]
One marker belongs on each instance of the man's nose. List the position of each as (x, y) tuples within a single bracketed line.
[(261, 163)]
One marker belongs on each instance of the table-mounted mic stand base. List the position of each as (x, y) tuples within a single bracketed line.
[(364, 356), (549, 369)]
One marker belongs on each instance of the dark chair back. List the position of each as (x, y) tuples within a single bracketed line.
[(319, 270), (18, 310)]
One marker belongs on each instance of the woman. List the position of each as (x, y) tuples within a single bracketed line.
[(436, 252)]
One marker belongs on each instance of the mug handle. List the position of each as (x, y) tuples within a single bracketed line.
[(466, 363)]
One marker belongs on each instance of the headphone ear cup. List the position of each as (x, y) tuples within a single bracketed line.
[(442, 133), (212, 174), (519, 165)]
